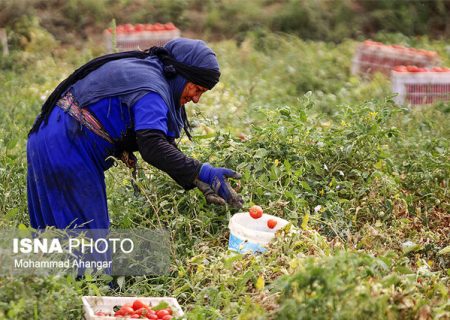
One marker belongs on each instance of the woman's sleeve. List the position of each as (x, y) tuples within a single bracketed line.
[(150, 112), (154, 144)]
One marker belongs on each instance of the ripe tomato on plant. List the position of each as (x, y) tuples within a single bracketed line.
[(256, 212)]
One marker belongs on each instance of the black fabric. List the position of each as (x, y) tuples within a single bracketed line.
[(126, 143), (207, 78), (161, 152)]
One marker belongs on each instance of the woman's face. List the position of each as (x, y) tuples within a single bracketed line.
[(192, 92)]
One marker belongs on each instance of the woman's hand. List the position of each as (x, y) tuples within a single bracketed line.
[(216, 180)]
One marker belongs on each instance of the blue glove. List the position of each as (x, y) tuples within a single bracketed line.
[(216, 178)]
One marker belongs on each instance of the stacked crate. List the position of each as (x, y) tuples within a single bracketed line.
[(419, 86), (371, 57), (415, 74), (140, 36)]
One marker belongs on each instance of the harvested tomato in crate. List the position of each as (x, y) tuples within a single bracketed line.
[(371, 57), (419, 86), (141, 36), (109, 308)]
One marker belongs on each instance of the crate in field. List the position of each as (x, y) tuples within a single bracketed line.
[(419, 86), (140, 36), (371, 57), (93, 304)]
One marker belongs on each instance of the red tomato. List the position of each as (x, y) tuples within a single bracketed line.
[(129, 27), (149, 27), (400, 69), (161, 313), (158, 27), (142, 311), (120, 29), (412, 69), (271, 223), (138, 304), (169, 310), (256, 212), (139, 27), (126, 310), (135, 316), (152, 316), (167, 317), (169, 26)]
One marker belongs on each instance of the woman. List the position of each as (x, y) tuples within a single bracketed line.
[(112, 106)]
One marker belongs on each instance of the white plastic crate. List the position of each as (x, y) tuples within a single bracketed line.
[(93, 304), (140, 36), (421, 86), (371, 57)]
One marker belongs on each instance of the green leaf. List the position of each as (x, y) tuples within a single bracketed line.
[(444, 251), (95, 289), (12, 213), (260, 153), (410, 246), (11, 143), (305, 221), (305, 186), (161, 305), (287, 166)]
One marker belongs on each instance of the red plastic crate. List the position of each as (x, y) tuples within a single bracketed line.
[(371, 57), (141, 36), (420, 86)]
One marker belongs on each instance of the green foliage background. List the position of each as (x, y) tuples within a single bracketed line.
[(74, 20)]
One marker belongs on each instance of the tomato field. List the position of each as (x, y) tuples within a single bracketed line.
[(364, 183)]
